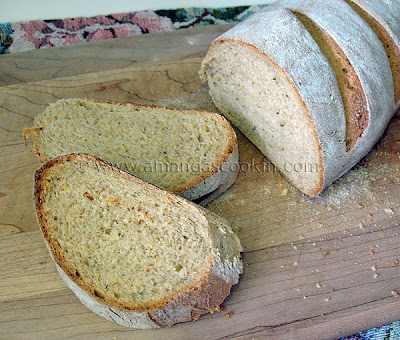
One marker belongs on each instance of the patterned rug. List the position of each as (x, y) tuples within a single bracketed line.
[(37, 34)]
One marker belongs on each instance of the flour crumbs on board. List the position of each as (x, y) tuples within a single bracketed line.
[(267, 210), (312, 243)]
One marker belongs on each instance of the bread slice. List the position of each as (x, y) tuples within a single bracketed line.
[(383, 17), (190, 153), (133, 253), (272, 79)]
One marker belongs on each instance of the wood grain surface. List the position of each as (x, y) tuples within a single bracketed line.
[(111, 54), (313, 268)]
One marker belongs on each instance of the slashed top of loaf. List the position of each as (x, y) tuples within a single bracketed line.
[(384, 18), (124, 241), (359, 43), (275, 32), (387, 12), (367, 56), (353, 96)]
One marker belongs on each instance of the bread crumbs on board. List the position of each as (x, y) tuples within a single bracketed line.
[(354, 183), (230, 314), (389, 211)]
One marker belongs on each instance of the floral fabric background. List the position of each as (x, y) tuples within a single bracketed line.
[(37, 34)]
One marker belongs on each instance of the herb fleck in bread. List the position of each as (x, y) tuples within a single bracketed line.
[(308, 82), (132, 252), (189, 153)]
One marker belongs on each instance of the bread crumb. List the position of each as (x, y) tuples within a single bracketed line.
[(389, 211), (296, 263), (395, 293), (324, 255), (228, 315), (221, 309), (375, 276), (373, 268), (396, 263), (327, 299), (318, 285), (284, 192)]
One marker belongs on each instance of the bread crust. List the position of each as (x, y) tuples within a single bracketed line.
[(387, 15), (204, 298), (277, 35), (220, 175), (213, 186), (204, 295)]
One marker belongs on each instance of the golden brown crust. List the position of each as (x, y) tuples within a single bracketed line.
[(34, 132), (204, 296), (202, 299)]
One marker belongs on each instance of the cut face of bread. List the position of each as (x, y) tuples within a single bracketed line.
[(186, 152), (132, 252), (297, 79), (281, 128), (383, 17)]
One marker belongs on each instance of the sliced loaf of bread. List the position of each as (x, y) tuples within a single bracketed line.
[(190, 153), (131, 252), (308, 82)]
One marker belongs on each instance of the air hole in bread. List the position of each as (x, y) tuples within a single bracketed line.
[(98, 294)]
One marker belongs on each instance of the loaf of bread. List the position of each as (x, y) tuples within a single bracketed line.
[(133, 253), (190, 153), (308, 82)]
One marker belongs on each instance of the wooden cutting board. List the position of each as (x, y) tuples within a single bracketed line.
[(313, 268)]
